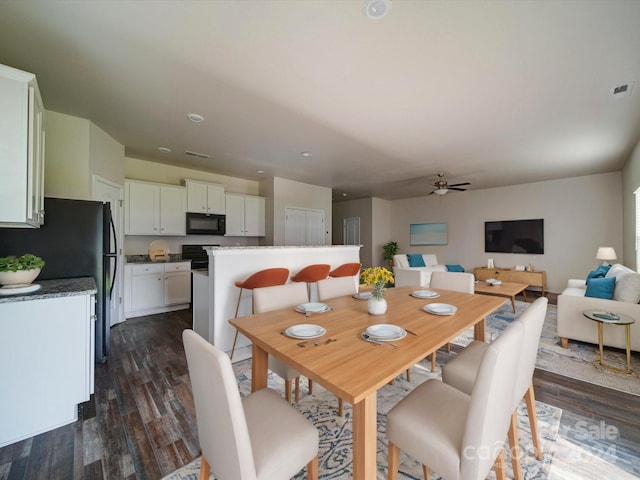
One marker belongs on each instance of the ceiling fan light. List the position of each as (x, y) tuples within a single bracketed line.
[(441, 191)]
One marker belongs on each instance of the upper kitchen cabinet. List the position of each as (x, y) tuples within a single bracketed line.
[(21, 149), (205, 197), (154, 209), (244, 216)]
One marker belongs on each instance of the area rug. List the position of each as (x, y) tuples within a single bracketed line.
[(577, 361), (336, 439)]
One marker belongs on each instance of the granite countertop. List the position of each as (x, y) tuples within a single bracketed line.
[(64, 287), (266, 247), (173, 258)]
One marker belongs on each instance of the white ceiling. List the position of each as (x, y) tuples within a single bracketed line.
[(490, 92)]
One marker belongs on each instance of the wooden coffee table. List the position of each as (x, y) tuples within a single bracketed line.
[(505, 289)]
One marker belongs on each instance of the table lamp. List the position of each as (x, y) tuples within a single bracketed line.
[(605, 254)]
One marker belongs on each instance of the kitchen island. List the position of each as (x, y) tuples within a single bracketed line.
[(215, 295), (47, 356)]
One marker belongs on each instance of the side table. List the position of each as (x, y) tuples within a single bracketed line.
[(608, 318)]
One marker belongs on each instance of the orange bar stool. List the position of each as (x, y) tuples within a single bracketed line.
[(311, 274), (264, 278), (346, 270)]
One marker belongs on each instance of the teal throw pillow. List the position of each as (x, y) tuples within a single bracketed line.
[(601, 288), (599, 272), (415, 260), (455, 268)]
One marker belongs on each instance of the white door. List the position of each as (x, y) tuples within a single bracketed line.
[(106, 191), (351, 231), (315, 227), (294, 226)]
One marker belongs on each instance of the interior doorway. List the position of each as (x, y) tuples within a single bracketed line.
[(351, 231)]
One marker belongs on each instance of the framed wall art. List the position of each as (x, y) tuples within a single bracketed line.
[(428, 234)]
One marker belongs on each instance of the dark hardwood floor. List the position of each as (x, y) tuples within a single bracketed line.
[(140, 424)]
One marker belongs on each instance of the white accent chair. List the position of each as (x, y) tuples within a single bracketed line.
[(461, 372), (457, 435), (266, 299), (406, 276), (456, 281), (258, 437)]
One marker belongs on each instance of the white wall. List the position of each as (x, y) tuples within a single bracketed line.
[(630, 183), (580, 214), (287, 193)]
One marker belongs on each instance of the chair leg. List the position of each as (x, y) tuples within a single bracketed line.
[(297, 389), (233, 349), (394, 454), (425, 472), (408, 374), (238, 305), (205, 469), (312, 469), (433, 362), (310, 386), (515, 447), (287, 390), (340, 407), (449, 347), (530, 398), (498, 465)]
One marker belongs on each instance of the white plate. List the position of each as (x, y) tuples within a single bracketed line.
[(362, 295), (425, 294), (385, 332), (305, 330), (18, 289), (312, 307), (440, 309)]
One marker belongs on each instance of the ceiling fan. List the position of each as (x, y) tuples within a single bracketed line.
[(442, 187)]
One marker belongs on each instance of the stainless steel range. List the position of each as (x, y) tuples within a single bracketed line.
[(198, 256)]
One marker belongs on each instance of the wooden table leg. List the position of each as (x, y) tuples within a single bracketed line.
[(365, 438), (259, 368), (513, 303), (478, 329)]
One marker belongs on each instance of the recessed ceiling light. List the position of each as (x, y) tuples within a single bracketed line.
[(344, 194), (260, 172), (164, 149), (194, 117), (306, 154), (376, 9)]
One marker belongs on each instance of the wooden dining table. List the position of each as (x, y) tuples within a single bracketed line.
[(353, 368)]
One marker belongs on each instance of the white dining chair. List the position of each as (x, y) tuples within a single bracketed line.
[(459, 436), (336, 287), (460, 372), (259, 437), (266, 299), (455, 281)]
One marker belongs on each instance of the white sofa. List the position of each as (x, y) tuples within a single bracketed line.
[(404, 275), (572, 324)]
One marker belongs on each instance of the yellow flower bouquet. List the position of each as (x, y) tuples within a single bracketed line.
[(377, 277)]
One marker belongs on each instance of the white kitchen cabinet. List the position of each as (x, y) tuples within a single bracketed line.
[(156, 287), (205, 197), (245, 216), (47, 353), (22, 138), (154, 209)]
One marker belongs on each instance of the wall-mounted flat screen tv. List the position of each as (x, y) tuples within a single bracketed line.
[(514, 236)]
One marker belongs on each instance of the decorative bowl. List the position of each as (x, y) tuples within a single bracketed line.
[(20, 277)]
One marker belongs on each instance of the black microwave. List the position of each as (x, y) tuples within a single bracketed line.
[(205, 224)]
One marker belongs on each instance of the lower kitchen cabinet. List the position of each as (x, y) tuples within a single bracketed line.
[(156, 287)]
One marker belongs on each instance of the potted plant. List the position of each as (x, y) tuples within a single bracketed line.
[(378, 278), (389, 250), (20, 270)]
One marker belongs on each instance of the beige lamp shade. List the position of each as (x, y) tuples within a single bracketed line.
[(606, 253)]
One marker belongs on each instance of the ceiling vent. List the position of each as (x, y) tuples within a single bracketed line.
[(621, 91), (196, 154)]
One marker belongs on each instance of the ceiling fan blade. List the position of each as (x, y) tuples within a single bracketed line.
[(458, 189), (459, 184)]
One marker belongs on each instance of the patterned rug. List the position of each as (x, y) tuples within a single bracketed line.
[(335, 431), (577, 361)]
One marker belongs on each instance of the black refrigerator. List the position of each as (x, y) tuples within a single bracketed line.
[(77, 240)]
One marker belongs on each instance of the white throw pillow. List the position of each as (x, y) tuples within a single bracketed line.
[(627, 288), (618, 271)]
